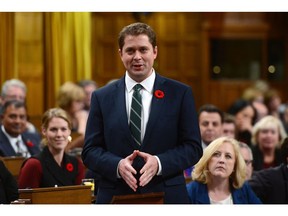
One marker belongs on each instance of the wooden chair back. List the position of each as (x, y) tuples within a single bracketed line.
[(13, 164)]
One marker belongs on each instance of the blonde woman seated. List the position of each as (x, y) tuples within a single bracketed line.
[(219, 176), (53, 166)]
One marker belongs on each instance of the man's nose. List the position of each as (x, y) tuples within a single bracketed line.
[(137, 55), (18, 119)]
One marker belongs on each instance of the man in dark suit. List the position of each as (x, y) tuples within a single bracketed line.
[(169, 133), (8, 185), (14, 139), (271, 185), (15, 89)]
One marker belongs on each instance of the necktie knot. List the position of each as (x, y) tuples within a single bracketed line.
[(18, 151), (137, 87)]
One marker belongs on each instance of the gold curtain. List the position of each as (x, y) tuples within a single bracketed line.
[(67, 50), (7, 60)]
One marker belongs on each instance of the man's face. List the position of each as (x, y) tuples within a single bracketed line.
[(210, 126), (14, 93), (138, 56), (88, 92), (229, 129), (14, 120), (248, 161)]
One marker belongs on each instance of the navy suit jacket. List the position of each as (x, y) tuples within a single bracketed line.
[(8, 185), (271, 185), (198, 194), (172, 134), (6, 149)]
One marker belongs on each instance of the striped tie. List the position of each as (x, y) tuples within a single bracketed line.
[(135, 114)]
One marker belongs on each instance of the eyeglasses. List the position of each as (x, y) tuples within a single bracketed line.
[(248, 162)]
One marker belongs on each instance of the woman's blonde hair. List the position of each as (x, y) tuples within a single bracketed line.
[(201, 172), (54, 113), (68, 93), (268, 122)]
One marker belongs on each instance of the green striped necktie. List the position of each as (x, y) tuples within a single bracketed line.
[(135, 114)]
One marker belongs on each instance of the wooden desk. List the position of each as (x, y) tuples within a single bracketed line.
[(149, 198), (13, 164), (78, 194)]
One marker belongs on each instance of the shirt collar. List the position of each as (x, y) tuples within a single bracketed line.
[(147, 83), (10, 138)]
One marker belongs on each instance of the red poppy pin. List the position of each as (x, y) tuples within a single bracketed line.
[(29, 143), (69, 167), (159, 94)]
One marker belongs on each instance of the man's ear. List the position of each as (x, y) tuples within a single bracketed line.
[(155, 51), (120, 52)]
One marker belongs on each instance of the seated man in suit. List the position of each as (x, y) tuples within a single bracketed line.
[(15, 89), (14, 139), (210, 119)]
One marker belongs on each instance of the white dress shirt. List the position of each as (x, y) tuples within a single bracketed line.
[(147, 94), (22, 148)]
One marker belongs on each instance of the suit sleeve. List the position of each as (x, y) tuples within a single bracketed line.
[(94, 154), (187, 149), (9, 184)]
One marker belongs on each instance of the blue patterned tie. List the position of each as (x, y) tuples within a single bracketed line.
[(135, 114)]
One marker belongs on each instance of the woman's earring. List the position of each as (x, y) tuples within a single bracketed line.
[(69, 138)]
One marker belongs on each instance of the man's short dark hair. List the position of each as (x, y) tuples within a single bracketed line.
[(210, 108), (15, 103), (136, 29)]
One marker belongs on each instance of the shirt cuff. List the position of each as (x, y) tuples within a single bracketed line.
[(159, 166)]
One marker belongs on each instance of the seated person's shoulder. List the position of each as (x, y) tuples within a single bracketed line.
[(82, 114), (32, 163)]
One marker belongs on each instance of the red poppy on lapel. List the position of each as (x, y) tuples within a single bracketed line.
[(159, 94), (69, 167), (29, 143)]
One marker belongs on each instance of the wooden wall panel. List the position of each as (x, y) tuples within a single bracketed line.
[(178, 36), (191, 64), (106, 63), (179, 47), (29, 57), (224, 93), (182, 43), (230, 26)]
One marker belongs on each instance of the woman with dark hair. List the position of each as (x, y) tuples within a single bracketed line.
[(245, 117)]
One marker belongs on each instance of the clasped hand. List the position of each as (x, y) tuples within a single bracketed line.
[(147, 172)]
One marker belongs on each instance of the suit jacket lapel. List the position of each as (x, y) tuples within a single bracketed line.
[(6, 145), (29, 143), (120, 106), (156, 107)]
